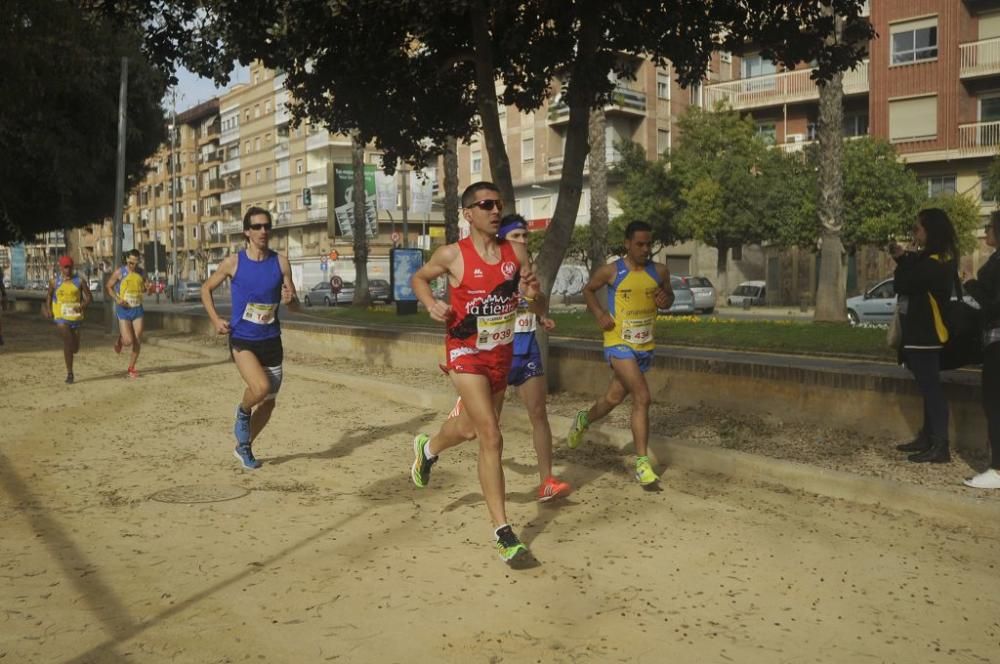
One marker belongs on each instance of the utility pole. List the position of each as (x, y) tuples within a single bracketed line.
[(405, 206), (173, 190), (120, 180)]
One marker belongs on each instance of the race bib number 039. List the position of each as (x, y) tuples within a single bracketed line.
[(525, 323), (637, 330), (261, 314), (495, 331)]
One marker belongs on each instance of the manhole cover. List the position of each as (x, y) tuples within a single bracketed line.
[(199, 494)]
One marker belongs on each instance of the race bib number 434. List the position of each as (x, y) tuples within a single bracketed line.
[(495, 331), (72, 311), (637, 330), (261, 314)]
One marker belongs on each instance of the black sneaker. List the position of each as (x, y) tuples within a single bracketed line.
[(69, 378)]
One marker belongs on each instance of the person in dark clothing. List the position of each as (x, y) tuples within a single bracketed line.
[(924, 279), (985, 290)]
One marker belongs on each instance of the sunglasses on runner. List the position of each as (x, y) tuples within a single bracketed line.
[(487, 204), (260, 227)]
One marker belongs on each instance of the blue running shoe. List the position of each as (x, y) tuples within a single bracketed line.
[(245, 455), (242, 428)]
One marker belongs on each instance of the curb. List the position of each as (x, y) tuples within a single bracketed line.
[(838, 484)]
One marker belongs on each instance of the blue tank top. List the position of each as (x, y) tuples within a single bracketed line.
[(256, 291)]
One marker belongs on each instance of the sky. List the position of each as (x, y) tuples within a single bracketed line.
[(192, 89)]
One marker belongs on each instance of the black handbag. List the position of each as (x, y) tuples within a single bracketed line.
[(965, 344)]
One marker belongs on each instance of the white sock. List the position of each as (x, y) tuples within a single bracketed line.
[(427, 452), (496, 532)]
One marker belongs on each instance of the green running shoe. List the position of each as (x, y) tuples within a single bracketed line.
[(421, 471), (644, 471), (575, 435), (509, 547)]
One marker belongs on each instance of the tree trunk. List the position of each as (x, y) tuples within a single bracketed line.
[(831, 293), (451, 202), (722, 267), (486, 101), (598, 251), (362, 298), (579, 98)]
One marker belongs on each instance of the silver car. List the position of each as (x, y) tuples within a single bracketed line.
[(704, 293), (683, 298), (875, 306)]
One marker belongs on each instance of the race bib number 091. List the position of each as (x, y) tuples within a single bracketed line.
[(525, 323), (495, 331), (637, 330), (261, 314)]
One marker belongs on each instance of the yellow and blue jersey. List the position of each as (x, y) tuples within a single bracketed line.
[(632, 305), (131, 287), (67, 300)]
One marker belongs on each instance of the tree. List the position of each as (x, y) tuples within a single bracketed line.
[(963, 210), (362, 296), (436, 64), (451, 202), (649, 193), (59, 119), (598, 228), (723, 168)]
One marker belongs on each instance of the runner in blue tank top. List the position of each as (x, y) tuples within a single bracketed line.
[(261, 282)]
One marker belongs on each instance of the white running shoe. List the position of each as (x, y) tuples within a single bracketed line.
[(986, 480)]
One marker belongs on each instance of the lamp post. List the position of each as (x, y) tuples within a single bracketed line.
[(173, 190)]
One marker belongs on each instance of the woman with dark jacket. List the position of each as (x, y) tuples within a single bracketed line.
[(985, 289), (924, 280)]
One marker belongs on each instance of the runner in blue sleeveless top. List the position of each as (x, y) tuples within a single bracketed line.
[(261, 282)]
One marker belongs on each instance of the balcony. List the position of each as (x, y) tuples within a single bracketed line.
[(624, 100), (784, 88), (981, 58), (316, 214), (229, 135), (231, 166), (316, 178), (555, 164), (213, 211), (208, 134), (281, 150), (979, 139), (231, 227), (231, 197), (282, 185), (214, 186), (318, 140)]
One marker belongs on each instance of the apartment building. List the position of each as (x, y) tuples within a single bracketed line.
[(930, 85)]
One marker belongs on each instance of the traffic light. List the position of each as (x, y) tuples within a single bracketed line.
[(307, 197)]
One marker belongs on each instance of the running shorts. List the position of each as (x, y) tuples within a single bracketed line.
[(525, 367), (131, 313), (644, 358), (484, 364), (270, 353)]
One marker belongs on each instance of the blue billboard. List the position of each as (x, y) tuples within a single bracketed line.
[(18, 266), (405, 263)]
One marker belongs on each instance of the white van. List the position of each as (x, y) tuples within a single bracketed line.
[(749, 292)]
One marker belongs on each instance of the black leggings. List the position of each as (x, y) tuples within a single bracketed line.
[(991, 400), (926, 368)]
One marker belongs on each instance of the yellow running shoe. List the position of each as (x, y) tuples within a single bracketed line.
[(644, 471), (421, 469), (510, 548), (575, 435)]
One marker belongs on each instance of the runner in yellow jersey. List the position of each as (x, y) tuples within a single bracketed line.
[(637, 287), (126, 287), (68, 299)]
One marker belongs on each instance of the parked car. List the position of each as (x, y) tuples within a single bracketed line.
[(749, 292), (876, 305), (380, 290), (704, 293), (322, 293), (683, 298), (189, 291)]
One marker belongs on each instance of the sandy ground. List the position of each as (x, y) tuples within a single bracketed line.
[(329, 553)]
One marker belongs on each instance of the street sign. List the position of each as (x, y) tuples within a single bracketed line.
[(323, 263), (336, 283), (395, 238)]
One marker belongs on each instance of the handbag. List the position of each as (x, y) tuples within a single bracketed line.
[(894, 335), (965, 344)]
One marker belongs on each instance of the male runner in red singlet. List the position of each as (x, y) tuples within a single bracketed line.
[(484, 275)]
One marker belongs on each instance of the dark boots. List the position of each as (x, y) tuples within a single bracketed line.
[(937, 452), (918, 444)]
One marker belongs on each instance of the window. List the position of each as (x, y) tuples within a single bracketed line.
[(256, 110), (914, 41), (662, 86), (283, 205), (528, 121), (248, 115), (257, 175), (246, 178), (738, 252), (267, 137), (528, 148), (298, 202), (194, 207), (267, 107), (941, 184), (256, 78), (299, 166), (984, 188), (256, 144), (662, 141), (476, 159), (768, 132), (755, 65), (812, 130), (856, 124), (246, 147), (194, 232), (267, 174), (913, 119)]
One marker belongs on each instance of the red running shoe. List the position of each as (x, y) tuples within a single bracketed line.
[(553, 488), (132, 373)]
